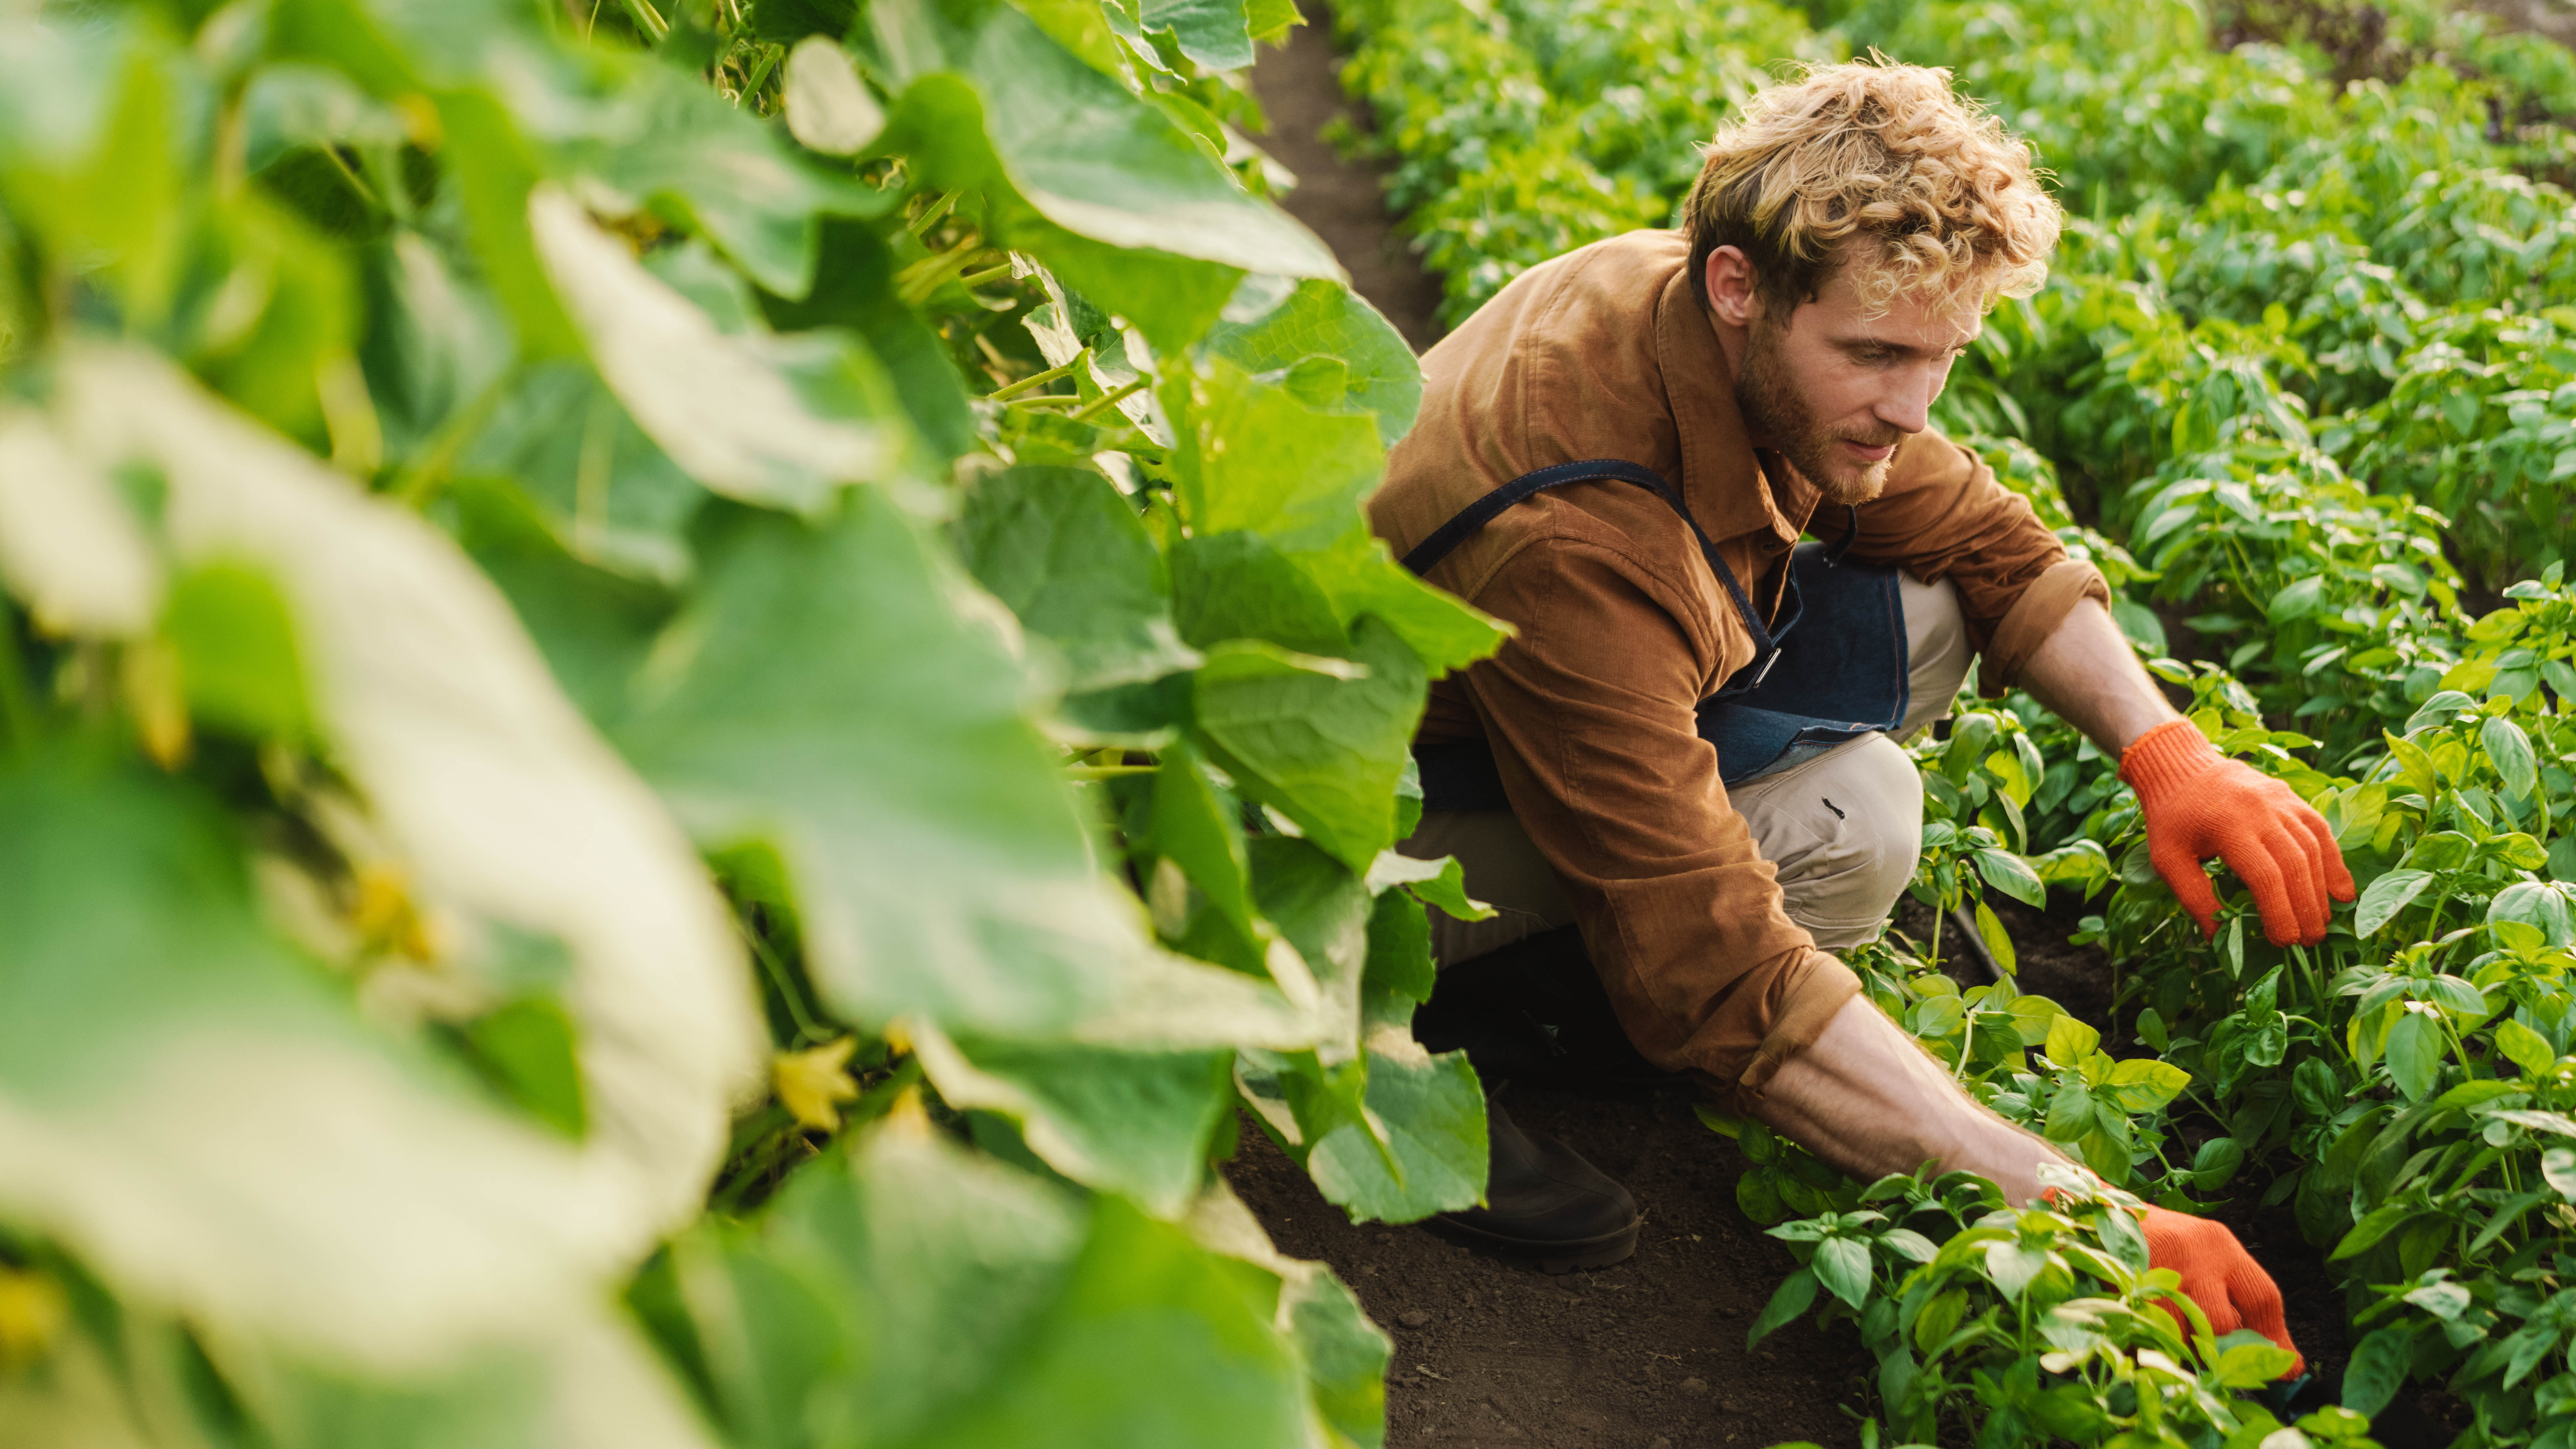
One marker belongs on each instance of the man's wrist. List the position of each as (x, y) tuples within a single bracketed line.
[(2088, 674), (1996, 1150), (2165, 755)]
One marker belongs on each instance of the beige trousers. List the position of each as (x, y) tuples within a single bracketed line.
[(1844, 828)]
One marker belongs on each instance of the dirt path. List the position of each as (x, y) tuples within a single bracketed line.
[(1645, 1355), (1301, 92)]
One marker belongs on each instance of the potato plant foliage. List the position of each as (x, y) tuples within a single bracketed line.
[(2300, 385), (687, 694)]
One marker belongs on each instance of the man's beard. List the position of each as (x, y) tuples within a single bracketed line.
[(1774, 408)]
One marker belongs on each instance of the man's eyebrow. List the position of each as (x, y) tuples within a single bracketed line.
[(1901, 349)]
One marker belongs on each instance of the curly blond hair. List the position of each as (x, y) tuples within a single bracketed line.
[(1880, 167)]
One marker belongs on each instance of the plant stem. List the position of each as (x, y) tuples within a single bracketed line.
[(340, 163), (1112, 399), (1005, 394), (17, 716), (1976, 943), (915, 283), (1106, 772), (989, 274), (421, 481), (776, 971), (648, 20), (931, 214)]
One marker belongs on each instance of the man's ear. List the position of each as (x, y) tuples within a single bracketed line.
[(1731, 294)]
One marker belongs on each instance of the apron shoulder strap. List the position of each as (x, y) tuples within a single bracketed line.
[(1446, 538)]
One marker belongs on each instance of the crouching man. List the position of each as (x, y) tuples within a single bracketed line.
[(1689, 751)]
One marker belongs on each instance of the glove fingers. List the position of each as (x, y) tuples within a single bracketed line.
[(2181, 870), (2212, 1296), (2314, 848), (2255, 862), (2257, 1299), (2338, 876), (2305, 872)]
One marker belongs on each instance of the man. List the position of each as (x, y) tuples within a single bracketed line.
[(1688, 752)]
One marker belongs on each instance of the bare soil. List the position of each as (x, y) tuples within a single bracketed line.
[(1648, 1354)]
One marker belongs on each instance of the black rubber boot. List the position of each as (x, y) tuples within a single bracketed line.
[(1544, 1204)]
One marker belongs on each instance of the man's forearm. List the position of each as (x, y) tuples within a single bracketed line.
[(1866, 1099), (2087, 675)]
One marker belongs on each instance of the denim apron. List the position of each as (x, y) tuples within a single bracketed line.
[(1833, 668)]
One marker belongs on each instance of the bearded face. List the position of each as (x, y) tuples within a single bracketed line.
[(1834, 456), (1837, 382)]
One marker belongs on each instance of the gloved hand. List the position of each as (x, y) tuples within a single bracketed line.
[(2198, 803), (2219, 1275)]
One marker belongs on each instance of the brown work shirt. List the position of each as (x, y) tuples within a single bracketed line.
[(1622, 628)]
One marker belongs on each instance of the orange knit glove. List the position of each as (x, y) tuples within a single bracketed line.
[(2219, 1275), (2198, 803)]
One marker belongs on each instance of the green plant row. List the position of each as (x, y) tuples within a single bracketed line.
[(688, 694), (2299, 384)]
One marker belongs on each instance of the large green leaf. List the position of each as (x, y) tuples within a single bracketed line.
[(1198, 828), (485, 791), (929, 1266), (435, 342), (1322, 908), (1255, 457), (1067, 552), (854, 290), (1432, 1109), (1098, 184), (186, 1104), (2385, 897), (594, 1384), (986, 1308), (781, 421), (713, 167), (1129, 1122), (826, 694), (1238, 585), (1326, 750), (594, 626), (1319, 318), (1345, 1355), (1401, 972), (1416, 1148), (1212, 33), (1154, 1343), (603, 489)]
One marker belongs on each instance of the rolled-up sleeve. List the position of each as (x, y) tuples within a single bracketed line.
[(1944, 516), (1591, 712)]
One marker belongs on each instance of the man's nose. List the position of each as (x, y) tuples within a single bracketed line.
[(1907, 403)]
